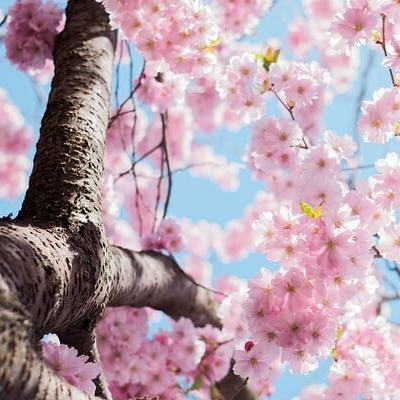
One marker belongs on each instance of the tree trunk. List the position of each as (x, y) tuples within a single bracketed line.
[(57, 270)]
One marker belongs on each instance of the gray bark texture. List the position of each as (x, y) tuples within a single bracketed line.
[(57, 270)]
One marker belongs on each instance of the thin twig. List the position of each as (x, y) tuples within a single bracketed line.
[(164, 121), (141, 158), (383, 45), (359, 167), (173, 172), (159, 182), (130, 97), (3, 21), (290, 111), (137, 197), (214, 291), (377, 252), (128, 47), (395, 268), (391, 297)]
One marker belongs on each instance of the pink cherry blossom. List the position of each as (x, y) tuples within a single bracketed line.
[(15, 141), (68, 365), (353, 26), (32, 26), (389, 243), (251, 363), (177, 32), (299, 38)]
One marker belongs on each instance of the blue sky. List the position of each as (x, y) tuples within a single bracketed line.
[(200, 199)]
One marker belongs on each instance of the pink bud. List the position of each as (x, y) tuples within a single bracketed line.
[(248, 345)]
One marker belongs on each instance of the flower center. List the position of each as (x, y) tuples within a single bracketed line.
[(330, 245), (253, 361), (358, 27)]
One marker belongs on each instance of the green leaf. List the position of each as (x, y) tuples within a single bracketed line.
[(318, 211), (197, 384), (259, 57), (270, 56), (309, 210), (210, 47), (334, 352)]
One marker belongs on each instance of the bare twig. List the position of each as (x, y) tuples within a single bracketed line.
[(383, 45), (3, 21), (141, 158), (359, 167), (159, 179), (290, 111), (377, 252), (394, 268), (164, 121), (130, 97)]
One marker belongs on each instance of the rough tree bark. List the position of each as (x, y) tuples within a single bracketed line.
[(57, 270)]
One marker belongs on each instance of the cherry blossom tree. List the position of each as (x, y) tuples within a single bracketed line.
[(93, 251)]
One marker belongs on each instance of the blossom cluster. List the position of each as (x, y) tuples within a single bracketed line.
[(381, 116), (15, 140), (179, 32), (357, 20), (386, 184), (238, 17), (66, 364), (366, 364), (312, 31), (274, 144), (293, 170), (160, 88), (240, 87), (204, 101), (169, 364), (293, 314), (253, 362), (325, 255), (367, 361), (167, 237), (299, 87), (207, 164), (32, 26)]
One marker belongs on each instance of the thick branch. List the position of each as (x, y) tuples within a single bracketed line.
[(231, 382), (154, 280), (65, 184)]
